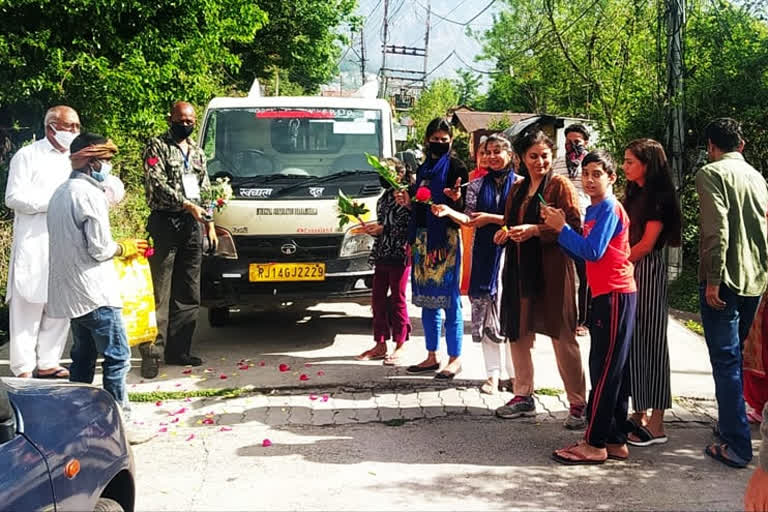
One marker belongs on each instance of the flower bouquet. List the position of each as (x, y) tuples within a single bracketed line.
[(348, 208), (216, 196), (386, 172)]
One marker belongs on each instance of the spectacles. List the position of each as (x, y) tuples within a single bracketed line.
[(70, 127)]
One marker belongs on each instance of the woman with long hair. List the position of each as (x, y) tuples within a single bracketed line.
[(655, 222), (539, 283), (484, 210), (436, 247), (468, 232)]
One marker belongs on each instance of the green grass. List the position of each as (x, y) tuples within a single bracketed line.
[(693, 325), (154, 396), (549, 391)]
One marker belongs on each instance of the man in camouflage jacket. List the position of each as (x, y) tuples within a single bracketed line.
[(175, 175)]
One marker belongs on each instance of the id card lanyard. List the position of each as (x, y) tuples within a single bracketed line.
[(189, 179)]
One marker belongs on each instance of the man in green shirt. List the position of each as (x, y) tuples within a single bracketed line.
[(733, 271)]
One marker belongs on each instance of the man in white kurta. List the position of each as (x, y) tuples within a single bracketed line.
[(36, 171)]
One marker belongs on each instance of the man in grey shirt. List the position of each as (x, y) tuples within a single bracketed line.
[(83, 284)]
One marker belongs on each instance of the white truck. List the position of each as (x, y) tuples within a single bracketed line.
[(287, 158)]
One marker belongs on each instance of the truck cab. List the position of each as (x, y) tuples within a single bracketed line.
[(280, 244)]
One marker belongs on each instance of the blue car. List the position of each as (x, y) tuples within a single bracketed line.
[(62, 447)]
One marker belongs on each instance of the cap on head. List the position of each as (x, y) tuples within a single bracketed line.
[(86, 139)]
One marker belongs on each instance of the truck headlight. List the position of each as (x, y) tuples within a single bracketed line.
[(356, 242), (226, 246)]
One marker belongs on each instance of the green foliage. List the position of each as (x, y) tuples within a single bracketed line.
[(348, 208), (439, 96), (684, 291), (467, 87)]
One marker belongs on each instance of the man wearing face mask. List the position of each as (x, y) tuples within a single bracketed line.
[(175, 174), (36, 171), (83, 281)]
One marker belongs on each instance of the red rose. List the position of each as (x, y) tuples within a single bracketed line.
[(149, 252), (219, 202), (423, 195), (152, 161)]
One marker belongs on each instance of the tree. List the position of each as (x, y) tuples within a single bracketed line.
[(467, 87), (435, 101)]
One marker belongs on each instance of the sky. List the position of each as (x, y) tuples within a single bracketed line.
[(407, 23)]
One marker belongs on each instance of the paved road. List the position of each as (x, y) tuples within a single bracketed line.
[(361, 436)]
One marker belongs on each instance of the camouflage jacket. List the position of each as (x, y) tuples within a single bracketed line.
[(164, 166)]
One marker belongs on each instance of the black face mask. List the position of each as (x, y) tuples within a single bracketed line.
[(439, 148), (181, 131)]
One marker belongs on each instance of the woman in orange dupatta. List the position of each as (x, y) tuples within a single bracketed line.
[(467, 232), (756, 364)]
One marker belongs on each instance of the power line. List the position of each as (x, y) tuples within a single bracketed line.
[(484, 72), (460, 23)]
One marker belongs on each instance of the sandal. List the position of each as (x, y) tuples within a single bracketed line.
[(57, 373), (581, 459), (617, 451), (721, 453), (371, 355), (646, 438), (391, 361)]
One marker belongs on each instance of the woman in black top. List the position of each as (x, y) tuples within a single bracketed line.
[(436, 247), (654, 222), (391, 259)]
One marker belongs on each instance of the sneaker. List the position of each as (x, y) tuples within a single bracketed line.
[(575, 419), (517, 407)]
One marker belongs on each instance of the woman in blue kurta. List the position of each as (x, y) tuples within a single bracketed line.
[(436, 248), (484, 210)]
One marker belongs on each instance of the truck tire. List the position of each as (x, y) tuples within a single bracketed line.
[(107, 505), (218, 317)]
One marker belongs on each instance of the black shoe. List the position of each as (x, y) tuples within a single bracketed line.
[(423, 369), (184, 360), (447, 375), (150, 360)]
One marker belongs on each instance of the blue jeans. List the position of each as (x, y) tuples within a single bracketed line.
[(101, 332), (432, 322), (725, 331)]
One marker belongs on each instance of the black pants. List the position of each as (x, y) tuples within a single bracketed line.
[(612, 325), (175, 268), (583, 293)]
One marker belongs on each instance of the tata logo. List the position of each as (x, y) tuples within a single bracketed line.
[(316, 191), (257, 193), (239, 230), (288, 249)]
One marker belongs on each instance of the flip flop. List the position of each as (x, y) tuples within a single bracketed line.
[(391, 361), (60, 373), (614, 456), (575, 462), (363, 357), (721, 453), (646, 438)]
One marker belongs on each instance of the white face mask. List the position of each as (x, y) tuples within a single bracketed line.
[(63, 138)]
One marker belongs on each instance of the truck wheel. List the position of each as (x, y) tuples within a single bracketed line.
[(107, 505), (218, 317)]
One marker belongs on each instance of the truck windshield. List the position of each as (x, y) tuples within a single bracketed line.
[(248, 143)]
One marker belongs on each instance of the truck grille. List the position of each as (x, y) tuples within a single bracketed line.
[(271, 248)]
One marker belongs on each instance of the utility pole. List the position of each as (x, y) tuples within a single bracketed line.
[(362, 54), (410, 78), (426, 37), (383, 85), (675, 136)]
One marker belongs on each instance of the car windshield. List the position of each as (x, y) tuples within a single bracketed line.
[(249, 144)]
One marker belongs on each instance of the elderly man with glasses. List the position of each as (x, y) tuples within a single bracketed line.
[(36, 171)]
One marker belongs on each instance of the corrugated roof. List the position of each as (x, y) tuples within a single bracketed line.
[(471, 121)]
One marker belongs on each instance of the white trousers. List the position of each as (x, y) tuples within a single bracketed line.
[(498, 359), (37, 340)]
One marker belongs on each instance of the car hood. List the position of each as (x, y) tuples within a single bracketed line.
[(51, 411)]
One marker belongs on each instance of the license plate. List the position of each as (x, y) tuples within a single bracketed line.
[(271, 272)]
